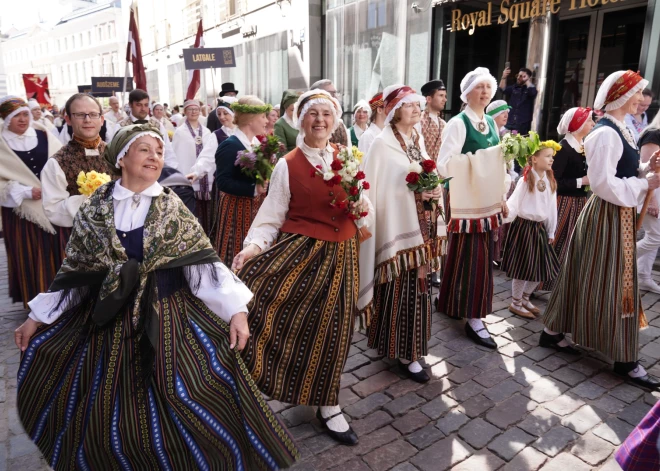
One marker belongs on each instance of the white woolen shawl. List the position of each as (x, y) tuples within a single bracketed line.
[(396, 244), (12, 168)]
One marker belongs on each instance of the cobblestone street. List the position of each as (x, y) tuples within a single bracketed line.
[(520, 408)]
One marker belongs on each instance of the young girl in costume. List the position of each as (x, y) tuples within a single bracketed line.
[(528, 255)]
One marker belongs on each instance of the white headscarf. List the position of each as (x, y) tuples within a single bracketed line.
[(564, 123), (320, 96), (474, 78)]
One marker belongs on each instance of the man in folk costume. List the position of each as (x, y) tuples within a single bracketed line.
[(33, 249), (60, 193), (471, 155), (377, 123), (596, 297), (340, 136), (360, 121), (188, 142), (431, 125), (138, 100)]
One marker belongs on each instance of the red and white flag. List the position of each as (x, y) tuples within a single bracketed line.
[(193, 75), (36, 86), (134, 54)]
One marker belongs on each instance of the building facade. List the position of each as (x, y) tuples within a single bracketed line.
[(89, 41), (277, 45), (571, 45)]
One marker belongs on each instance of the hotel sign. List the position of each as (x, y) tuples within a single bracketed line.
[(110, 85), (209, 58), (515, 12)]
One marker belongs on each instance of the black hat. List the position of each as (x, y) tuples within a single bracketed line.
[(228, 88), (430, 87)]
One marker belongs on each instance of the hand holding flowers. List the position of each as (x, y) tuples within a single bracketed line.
[(259, 162), (423, 178)]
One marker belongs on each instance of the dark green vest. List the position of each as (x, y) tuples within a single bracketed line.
[(474, 140)]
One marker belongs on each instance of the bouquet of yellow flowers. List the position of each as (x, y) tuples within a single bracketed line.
[(357, 154), (89, 182), (170, 134)]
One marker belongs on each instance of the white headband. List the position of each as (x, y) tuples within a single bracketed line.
[(124, 149)]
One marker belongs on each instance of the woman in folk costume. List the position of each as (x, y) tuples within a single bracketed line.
[(596, 296), (396, 263), (239, 195), (301, 261), (528, 256), (570, 170), (273, 116), (130, 360), (376, 123), (32, 243), (360, 121), (499, 111), (471, 155), (226, 117), (188, 142), (158, 112), (285, 129)]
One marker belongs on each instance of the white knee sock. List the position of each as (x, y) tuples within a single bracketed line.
[(413, 366), (478, 326), (336, 424)]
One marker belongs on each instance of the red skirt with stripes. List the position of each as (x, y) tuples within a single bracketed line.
[(33, 257)]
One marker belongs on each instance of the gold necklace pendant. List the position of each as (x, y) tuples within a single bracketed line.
[(540, 185), (481, 126)]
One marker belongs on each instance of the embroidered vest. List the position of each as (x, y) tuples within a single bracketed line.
[(629, 162), (310, 213), (36, 158), (432, 134), (474, 140)]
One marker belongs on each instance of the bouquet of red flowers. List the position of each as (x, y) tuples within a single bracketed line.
[(259, 162), (423, 177), (345, 171)]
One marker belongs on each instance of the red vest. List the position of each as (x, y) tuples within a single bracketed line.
[(310, 213)]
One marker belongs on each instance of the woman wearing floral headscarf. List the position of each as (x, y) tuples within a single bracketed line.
[(129, 361), (596, 296), (301, 261)]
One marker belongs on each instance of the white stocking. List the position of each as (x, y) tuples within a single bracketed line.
[(517, 288), (336, 424), (529, 288), (478, 326), (638, 372)]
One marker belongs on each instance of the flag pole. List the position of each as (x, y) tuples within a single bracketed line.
[(215, 95), (123, 93)]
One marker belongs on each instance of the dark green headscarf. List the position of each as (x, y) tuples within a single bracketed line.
[(123, 138), (288, 97)]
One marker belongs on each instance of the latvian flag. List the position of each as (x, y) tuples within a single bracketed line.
[(134, 54)]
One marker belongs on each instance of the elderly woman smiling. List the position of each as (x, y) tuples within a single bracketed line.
[(306, 281), (143, 307)]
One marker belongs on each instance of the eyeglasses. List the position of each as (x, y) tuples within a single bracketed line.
[(83, 116)]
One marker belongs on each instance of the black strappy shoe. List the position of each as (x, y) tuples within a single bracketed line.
[(419, 377), (488, 342), (348, 437), (552, 341)]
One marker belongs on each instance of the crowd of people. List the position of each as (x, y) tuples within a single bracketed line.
[(166, 305)]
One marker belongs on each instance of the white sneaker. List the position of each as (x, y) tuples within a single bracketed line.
[(648, 284)]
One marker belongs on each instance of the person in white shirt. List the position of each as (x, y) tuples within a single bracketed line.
[(597, 297), (60, 193), (138, 101), (176, 118), (115, 114), (33, 247), (341, 135), (188, 142), (376, 125), (528, 255), (158, 112), (154, 317)]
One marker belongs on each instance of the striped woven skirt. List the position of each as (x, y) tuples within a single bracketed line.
[(640, 451), (301, 317), (596, 297), (467, 278), (83, 402), (527, 254), (232, 221), (33, 257), (568, 211), (401, 321)]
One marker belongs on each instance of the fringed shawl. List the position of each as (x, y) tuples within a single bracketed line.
[(397, 244)]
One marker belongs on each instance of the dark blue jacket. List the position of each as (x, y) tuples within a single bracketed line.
[(228, 177)]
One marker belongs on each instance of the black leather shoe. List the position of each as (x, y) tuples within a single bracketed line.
[(420, 377), (488, 342), (345, 438), (552, 341), (646, 381)]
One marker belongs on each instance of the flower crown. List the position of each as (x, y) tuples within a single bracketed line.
[(550, 144), (250, 109)]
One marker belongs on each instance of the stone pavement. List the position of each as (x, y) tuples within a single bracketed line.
[(520, 408)]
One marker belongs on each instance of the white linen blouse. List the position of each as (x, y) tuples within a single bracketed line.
[(539, 206), (225, 300)]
